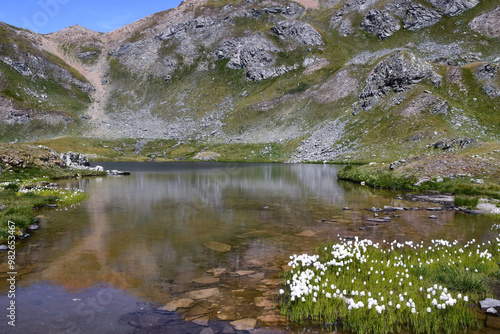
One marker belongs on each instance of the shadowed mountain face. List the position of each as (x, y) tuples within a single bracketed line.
[(339, 78)]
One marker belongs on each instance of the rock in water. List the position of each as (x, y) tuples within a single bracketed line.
[(203, 294), (217, 246), (175, 304), (244, 324)]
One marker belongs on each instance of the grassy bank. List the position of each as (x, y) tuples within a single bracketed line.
[(454, 174), (172, 150), (25, 185), (391, 287)]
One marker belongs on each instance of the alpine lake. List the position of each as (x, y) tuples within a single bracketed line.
[(186, 247)]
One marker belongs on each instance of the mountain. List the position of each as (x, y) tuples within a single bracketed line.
[(317, 79)]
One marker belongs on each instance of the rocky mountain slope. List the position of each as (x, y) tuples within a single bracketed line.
[(352, 79)]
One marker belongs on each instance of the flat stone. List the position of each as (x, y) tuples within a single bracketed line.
[(206, 280), (228, 330), (227, 313), (376, 220), (254, 234), (258, 275), (272, 282), (263, 302), (217, 271), (346, 208), (436, 208), (307, 233), (203, 321), (244, 272), (207, 331), (255, 263), (433, 217), (175, 304), (392, 208), (217, 246), (492, 311), (489, 303), (203, 294), (244, 324), (196, 312), (272, 319)]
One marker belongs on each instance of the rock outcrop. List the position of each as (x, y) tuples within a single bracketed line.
[(75, 160), (301, 32), (453, 7), (487, 23), (397, 73), (255, 54), (419, 17), (381, 23)]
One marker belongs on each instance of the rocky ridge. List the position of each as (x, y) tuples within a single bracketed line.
[(266, 71)]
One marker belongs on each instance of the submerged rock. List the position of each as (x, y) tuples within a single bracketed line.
[(203, 294), (175, 304), (206, 280), (244, 324), (307, 233), (217, 246)]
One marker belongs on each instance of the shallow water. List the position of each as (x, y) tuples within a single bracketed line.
[(139, 241)]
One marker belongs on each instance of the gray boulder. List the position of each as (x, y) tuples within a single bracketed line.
[(487, 23), (86, 55), (453, 7), (488, 303), (398, 72), (301, 32), (76, 160), (381, 23), (491, 90), (486, 71), (346, 28), (418, 17), (253, 53), (290, 9)]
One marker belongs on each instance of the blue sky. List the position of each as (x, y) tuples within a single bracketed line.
[(46, 16)]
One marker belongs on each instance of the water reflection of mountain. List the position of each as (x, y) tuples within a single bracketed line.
[(214, 186)]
